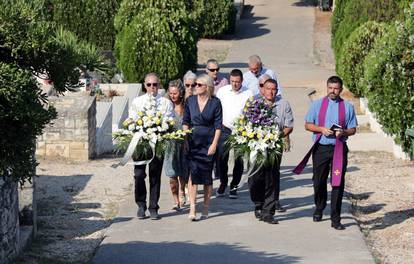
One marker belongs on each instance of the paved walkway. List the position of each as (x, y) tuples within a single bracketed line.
[(281, 32)]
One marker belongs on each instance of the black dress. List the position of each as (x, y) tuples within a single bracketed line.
[(204, 126)]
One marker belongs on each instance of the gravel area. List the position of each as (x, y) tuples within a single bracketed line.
[(381, 189), (76, 203)]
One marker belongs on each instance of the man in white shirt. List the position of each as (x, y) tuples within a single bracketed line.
[(256, 70), (233, 98), (164, 105)]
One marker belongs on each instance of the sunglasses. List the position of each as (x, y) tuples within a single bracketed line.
[(261, 84), (151, 84), (214, 70), (190, 85), (200, 84)]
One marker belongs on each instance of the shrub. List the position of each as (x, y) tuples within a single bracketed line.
[(350, 14), (217, 18), (354, 51), (389, 79), (90, 20), (31, 45), (22, 118), (155, 36)]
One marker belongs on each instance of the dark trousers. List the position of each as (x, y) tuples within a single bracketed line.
[(265, 188), (322, 158), (222, 160), (155, 169)]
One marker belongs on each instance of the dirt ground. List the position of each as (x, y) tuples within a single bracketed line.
[(381, 189), (76, 203)]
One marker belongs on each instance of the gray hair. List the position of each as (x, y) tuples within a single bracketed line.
[(207, 80), (255, 59), (264, 77), (152, 74), (213, 61), (190, 76)]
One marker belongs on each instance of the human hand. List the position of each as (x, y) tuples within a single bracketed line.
[(212, 149), (339, 133), (326, 131)]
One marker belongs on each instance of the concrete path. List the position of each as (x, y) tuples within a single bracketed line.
[(281, 32)]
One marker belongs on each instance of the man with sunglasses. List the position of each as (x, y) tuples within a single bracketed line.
[(212, 70), (256, 70), (165, 106), (233, 98)]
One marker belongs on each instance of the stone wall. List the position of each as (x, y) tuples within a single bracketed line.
[(103, 128), (9, 221), (73, 134)]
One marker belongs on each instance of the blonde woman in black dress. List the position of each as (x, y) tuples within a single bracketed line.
[(202, 114)]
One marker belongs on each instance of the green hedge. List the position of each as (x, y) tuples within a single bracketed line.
[(351, 58), (389, 79), (350, 14), (90, 20), (155, 36), (218, 18)]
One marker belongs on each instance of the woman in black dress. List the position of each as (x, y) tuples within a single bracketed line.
[(202, 114)]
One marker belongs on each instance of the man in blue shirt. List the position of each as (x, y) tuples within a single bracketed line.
[(323, 152)]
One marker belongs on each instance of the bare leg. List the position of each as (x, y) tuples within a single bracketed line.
[(174, 191), (192, 191), (182, 191), (208, 189)]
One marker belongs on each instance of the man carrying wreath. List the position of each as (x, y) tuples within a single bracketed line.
[(164, 106), (265, 183)]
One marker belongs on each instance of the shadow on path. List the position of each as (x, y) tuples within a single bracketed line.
[(306, 3), (186, 252)]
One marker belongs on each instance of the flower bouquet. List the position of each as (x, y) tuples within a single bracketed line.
[(142, 136), (256, 134)]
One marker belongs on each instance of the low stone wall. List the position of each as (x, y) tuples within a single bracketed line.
[(73, 134), (9, 221)]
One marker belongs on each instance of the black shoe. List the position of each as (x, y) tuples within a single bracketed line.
[(270, 220), (337, 226), (279, 208), (141, 213), (258, 213), (154, 215), (220, 191), (317, 218), (233, 193)]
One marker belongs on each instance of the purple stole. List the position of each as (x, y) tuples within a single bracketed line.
[(338, 158)]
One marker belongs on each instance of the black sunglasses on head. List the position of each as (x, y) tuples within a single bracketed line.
[(151, 84), (214, 70)]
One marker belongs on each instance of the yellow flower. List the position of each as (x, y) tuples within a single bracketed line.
[(259, 136), (244, 133), (140, 113), (240, 129), (139, 122), (251, 135), (271, 136), (157, 121), (172, 122)]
